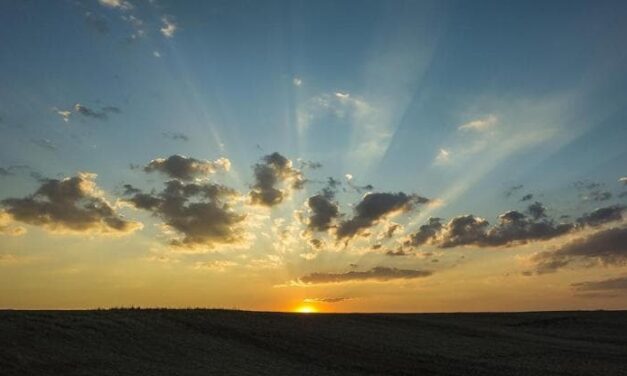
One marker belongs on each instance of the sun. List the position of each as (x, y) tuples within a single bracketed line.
[(306, 308)]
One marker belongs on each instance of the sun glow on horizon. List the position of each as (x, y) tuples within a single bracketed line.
[(306, 308)]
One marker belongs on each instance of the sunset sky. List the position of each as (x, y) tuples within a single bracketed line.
[(334, 156)]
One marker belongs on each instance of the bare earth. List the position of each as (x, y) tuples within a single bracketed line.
[(218, 342)]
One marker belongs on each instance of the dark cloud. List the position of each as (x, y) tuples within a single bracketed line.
[(513, 227), (603, 285), (323, 212), (527, 197), (536, 210), (316, 243), (376, 206), (88, 112), (426, 232), (199, 212), (175, 136), (607, 247), (130, 190), (310, 164), (592, 191), (274, 170), (379, 273), (602, 215), (102, 114), (597, 195), (398, 252), (73, 204), (186, 168), (513, 189), (463, 230)]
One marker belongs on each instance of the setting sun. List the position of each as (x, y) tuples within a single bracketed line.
[(306, 309)]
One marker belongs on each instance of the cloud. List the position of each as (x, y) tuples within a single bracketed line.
[(88, 112), (120, 4), (398, 252), (513, 189), (65, 115), (537, 210), (187, 168), (480, 125), (175, 136), (611, 284), (7, 227), (274, 170), (323, 212), (598, 195), (526, 197), (297, 81), (200, 212), (169, 27), (327, 300), (443, 157), (74, 205), (85, 111), (425, 232), (623, 180), (602, 216), (513, 227), (379, 273), (5, 172), (376, 206), (607, 247)]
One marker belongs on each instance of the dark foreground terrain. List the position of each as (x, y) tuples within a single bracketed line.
[(216, 342)]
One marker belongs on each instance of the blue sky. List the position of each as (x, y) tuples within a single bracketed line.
[(457, 102)]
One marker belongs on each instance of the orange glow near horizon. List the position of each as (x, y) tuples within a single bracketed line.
[(306, 308)]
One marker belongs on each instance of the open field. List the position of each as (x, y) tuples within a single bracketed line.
[(218, 342)]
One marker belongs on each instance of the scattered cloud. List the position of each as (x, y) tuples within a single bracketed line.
[(602, 216), (274, 170), (121, 4), (425, 232), (200, 212), (175, 136), (612, 284), (102, 114), (8, 227), (327, 300), (187, 168), (480, 125), (513, 189), (606, 247), (443, 157), (297, 81), (169, 27), (323, 211), (623, 180), (70, 205), (379, 273), (374, 207)]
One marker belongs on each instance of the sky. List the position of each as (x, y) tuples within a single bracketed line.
[(329, 156)]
